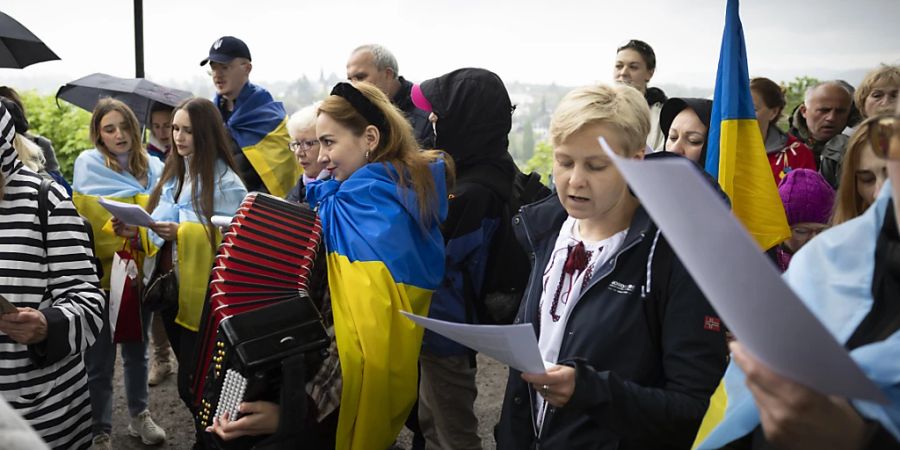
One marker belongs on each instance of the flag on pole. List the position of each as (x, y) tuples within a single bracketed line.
[(736, 155)]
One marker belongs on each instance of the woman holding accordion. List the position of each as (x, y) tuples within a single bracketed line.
[(380, 212)]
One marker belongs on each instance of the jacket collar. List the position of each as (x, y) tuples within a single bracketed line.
[(401, 98), (542, 221)]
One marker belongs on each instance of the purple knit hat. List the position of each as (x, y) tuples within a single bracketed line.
[(807, 197)]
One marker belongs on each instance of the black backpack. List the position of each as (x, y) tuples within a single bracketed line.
[(44, 212), (508, 265)]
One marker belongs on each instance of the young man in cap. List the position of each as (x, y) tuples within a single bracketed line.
[(256, 122)]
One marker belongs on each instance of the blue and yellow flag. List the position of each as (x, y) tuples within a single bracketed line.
[(381, 260), (259, 125), (92, 181), (736, 155), (833, 277)]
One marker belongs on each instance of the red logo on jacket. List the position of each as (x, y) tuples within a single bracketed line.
[(712, 323)]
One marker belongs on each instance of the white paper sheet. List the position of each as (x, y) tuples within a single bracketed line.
[(129, 213), (513, 345), (740, 283)]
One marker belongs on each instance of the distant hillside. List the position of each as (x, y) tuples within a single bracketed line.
[(531, 119)]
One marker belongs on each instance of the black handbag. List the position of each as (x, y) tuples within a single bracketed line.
[(161, 292)]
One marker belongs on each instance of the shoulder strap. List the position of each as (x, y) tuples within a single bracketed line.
[(43, 208)]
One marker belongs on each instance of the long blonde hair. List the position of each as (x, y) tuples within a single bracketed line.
[(848, 204), (29, 153), (397, 146)]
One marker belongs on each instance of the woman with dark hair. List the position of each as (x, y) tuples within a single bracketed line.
[(381, 214), (199, 181), (118, 169), (785, 152), (635, 66), (685, 124)]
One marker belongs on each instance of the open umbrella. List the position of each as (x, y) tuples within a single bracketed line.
[(138, 93), (19, 47)]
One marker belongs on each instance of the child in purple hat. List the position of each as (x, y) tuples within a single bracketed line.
[(808, 200)]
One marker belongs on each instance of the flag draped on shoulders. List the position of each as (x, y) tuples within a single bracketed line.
[(736, 154), (94, 180), (381, 260), (194, 252), (259, 125), (832, 275)]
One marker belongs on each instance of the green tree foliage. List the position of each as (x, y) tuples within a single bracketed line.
[(541, 161), (67, 126), (527, 141), (794, 91)]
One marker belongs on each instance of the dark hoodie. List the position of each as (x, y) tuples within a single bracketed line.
[(701, 106), (474, 119)]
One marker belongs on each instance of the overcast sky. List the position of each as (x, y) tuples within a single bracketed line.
[(539, 41)]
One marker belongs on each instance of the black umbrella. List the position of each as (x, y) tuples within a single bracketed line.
[(19, 47), (138, 93)]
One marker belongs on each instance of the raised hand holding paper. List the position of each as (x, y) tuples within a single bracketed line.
[(129, 213), (513, 345), (744, 288)]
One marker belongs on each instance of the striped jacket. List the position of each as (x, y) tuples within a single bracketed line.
[(46, 382)]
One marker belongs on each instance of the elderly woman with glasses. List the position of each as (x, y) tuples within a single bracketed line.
[(302, 129), (849, 277)]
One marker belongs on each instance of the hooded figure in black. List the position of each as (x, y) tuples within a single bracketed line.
[(471, 111), (701, 106)]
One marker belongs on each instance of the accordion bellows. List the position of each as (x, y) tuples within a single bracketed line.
[(258, 311)]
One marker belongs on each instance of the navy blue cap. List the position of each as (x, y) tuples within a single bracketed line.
[(225, 49)]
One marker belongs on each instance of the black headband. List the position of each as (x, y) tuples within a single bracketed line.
[(362, 105)]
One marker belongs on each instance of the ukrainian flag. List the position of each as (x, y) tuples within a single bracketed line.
[(93, 180), (737, 158), (381, 260), (259, 125), (736, 155)]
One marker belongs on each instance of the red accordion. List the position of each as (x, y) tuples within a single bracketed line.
[(257, 310)]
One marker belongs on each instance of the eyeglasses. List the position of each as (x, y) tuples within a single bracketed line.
[(808, 231), (884, 137), (303, 145)]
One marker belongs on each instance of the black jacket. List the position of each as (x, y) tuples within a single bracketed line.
[(645, 365), (474, 119), (416, 117)]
